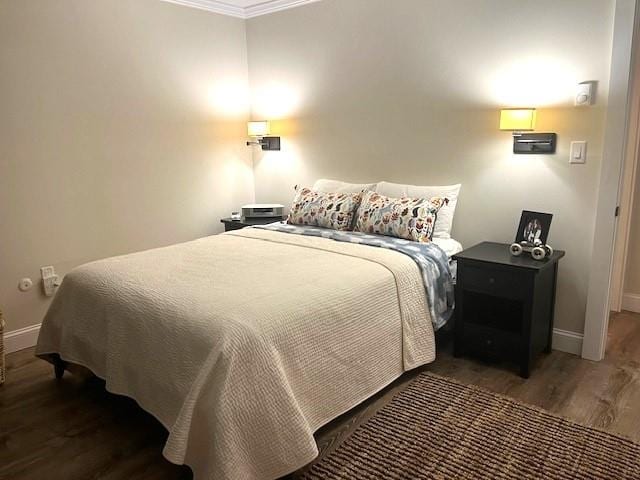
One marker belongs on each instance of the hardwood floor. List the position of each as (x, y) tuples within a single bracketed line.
[(74, 429)]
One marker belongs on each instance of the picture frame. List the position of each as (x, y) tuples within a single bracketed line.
[(534, 227)]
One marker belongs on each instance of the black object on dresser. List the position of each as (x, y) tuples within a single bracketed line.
[(504, 304), (230, 224)]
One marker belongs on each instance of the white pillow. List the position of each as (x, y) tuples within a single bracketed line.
[(445, 215), (336, 186)]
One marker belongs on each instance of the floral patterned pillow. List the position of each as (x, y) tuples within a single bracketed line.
[(328, 210), (409, 218)]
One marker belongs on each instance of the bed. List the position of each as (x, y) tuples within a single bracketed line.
[(244, 344)]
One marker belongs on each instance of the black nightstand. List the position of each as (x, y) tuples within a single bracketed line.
[(504, 304), (246, 222)]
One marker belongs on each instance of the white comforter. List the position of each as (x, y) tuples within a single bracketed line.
[(243, 344)]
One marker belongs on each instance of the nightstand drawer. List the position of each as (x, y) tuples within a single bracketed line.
[(502, 283), (490, 342), (229, 226)]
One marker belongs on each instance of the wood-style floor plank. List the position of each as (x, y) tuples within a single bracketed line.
[(74, 429)]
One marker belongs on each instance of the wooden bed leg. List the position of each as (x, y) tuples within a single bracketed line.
[(59, 366)]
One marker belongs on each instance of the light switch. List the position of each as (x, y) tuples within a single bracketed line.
[(578, 152)]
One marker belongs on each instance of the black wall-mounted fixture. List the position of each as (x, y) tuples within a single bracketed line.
[(267, 143), (520, 120), (260, 131), (537, 143)]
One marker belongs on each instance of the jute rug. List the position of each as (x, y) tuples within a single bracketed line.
[(438, 428)]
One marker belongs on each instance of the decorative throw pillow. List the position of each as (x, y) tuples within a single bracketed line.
[(409, 218), (328, 210), (445, 215)]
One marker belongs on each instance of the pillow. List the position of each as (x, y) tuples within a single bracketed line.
[(445, 215), (336, 186), (328, 210), (409, 218)]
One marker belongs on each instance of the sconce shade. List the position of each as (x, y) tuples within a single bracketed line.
[(518, 119), (258, 129)]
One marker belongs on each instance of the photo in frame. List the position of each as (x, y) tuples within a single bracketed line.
[(534, 227)]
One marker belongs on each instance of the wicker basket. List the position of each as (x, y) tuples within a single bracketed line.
[(1, 349)]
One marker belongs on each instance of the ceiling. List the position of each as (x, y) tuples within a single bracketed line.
[(242, 8)]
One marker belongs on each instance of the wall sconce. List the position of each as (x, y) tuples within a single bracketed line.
[(519, 120), (260, 131)]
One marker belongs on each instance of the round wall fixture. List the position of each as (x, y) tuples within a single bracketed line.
[(25, 285)]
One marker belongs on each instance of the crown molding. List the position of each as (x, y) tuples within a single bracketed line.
[(214, 6), (224, 8), (271, 6)]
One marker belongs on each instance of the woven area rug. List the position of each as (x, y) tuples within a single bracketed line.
[(438, 428)]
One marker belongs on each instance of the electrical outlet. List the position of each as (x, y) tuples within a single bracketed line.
[(49, 285), (47, 272), (49, 280)]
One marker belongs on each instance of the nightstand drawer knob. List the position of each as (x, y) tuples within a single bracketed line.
[(492, 280)]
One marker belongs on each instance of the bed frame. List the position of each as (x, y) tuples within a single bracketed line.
[(59, 365)]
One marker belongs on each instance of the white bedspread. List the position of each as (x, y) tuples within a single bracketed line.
[(243, 344)]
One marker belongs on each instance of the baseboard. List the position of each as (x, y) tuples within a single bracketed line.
[(631, 302), (566, 341), (21, 338)]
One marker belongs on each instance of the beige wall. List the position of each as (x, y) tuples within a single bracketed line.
[(122, 123), (411, 93), (632, 271), (121, 128)]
